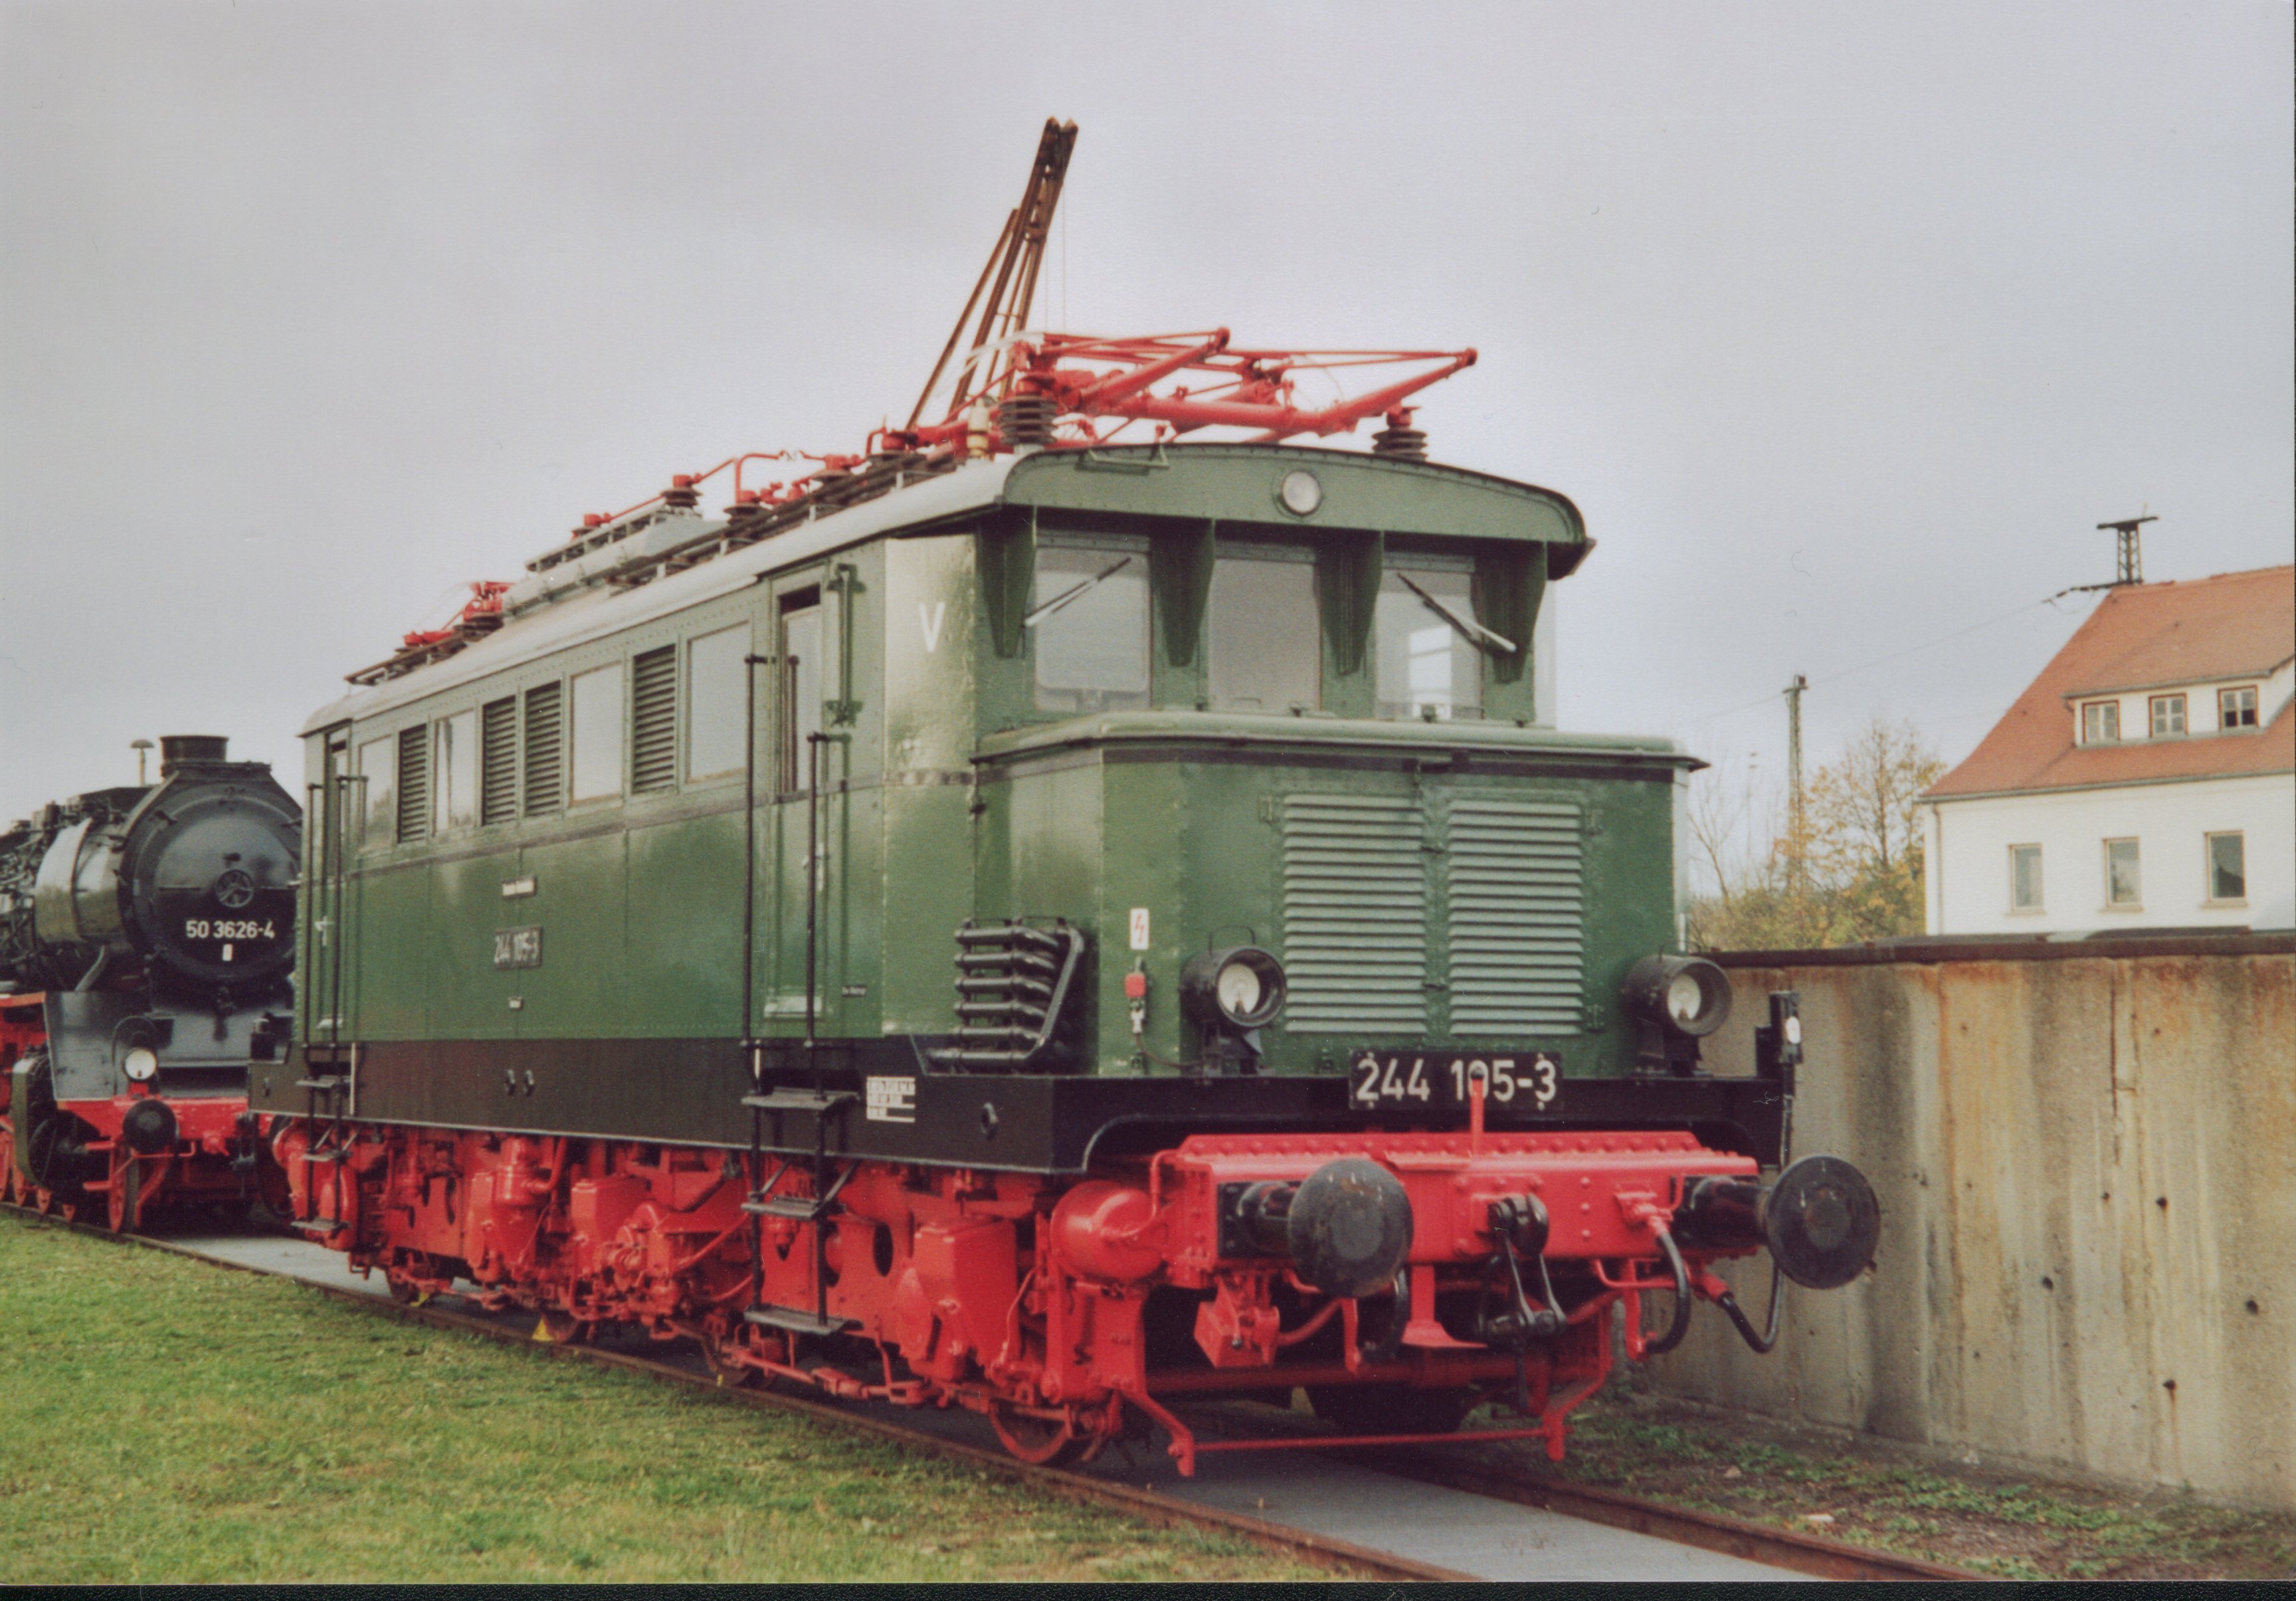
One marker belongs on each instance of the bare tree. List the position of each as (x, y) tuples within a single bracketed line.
[(1867, 832), (1850, 872)]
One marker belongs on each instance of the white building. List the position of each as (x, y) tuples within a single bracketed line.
[(2146, 779)]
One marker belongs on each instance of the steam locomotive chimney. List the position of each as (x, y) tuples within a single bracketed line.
[(177, 749)]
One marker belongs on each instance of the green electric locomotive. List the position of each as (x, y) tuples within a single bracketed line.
[(1054, 927)]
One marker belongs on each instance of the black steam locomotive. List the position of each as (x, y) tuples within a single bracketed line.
[(147, 940)]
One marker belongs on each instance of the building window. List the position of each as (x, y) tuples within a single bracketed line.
[(2236, 708), (378, 771), (2100, 722), (717, 702), (2123, 886), (455, 771), (800, 686), (1266, 650), (1088, 619), (2168, 715), (2024, 878), (1426, 665), (598, 733), (2227, 867)]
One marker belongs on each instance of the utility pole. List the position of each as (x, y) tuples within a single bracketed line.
[(1793, 693), (2131, 567)]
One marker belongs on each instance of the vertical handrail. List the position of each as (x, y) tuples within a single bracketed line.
[(812, 888), (346, 786), (755, 1052), (314, 798), (751, 662)]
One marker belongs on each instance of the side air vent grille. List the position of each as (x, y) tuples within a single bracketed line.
[(1016, 992), (1355, 914), (546, 747), (414, 783), (1517, 918), (653, 720), (498, 760)]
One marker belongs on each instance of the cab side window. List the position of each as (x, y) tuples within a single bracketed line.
[(598, 733), (378, 772), (717, 702), (801, 642)]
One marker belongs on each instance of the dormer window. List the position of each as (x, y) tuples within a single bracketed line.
[(2168, 715), (2236, 708), (2100, 722)]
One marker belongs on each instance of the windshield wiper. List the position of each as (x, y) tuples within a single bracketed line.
[(1066, 595), (1471, 631)]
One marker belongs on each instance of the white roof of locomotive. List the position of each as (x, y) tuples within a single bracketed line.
[(602, 608)]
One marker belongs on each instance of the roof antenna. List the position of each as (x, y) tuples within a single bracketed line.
[(2132, 558), (2131, 567)]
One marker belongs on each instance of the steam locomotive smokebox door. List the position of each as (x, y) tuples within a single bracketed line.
[(212, 885)]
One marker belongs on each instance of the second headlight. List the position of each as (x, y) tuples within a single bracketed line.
[(1242, 987), (1688, 994)]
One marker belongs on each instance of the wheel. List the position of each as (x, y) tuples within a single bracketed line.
[(1043, 1441), (722, 1352), (124, 1200), (1390, 1408)]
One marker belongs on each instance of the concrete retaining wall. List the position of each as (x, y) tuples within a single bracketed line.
[(2086, 1166)]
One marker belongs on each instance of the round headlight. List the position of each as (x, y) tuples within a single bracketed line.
[(142, 1064), (1684, 999), (1687, 994), (1239, 988), (1299, 493)]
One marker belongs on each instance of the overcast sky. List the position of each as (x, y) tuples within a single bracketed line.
[(1843, 325)]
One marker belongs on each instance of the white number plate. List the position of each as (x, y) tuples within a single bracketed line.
[(1408, 1079), (203, 927)]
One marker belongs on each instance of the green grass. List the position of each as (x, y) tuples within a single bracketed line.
[(163, 1420), (1986, 1520)]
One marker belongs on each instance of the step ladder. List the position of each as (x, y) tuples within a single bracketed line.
[(811, 1211), (329, 1081)]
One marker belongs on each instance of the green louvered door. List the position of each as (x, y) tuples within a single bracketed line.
[(1514, 883), (1355, 914), (1447, 915)]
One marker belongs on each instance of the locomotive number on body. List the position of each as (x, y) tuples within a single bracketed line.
[(1377, 1080), (207, 928)]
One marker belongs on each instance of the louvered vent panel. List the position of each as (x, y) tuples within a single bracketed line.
[(498, 760), (546, 746), (415, 781), (653, 720), (1517, 916), (1355, 914)]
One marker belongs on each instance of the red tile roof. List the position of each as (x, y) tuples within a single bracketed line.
[(2236, 625)]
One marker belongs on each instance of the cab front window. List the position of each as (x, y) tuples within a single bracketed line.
[(1266, 652), (1087, 624), (1428, 666)]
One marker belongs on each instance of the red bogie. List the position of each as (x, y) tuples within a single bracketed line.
[(1023, 1296)]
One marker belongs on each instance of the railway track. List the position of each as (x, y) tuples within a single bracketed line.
[(1729, 1538)]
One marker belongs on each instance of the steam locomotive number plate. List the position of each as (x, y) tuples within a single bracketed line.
[(1377, 1080)]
